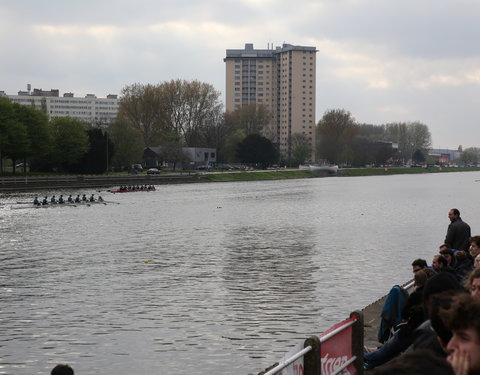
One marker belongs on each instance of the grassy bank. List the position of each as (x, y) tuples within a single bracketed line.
[(348, 172)]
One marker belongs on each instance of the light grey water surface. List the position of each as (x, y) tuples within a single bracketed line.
[(219, 278)]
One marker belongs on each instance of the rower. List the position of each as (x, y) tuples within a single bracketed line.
[(100, 199), (36, 202), (92, 199), (53, 200), (60, 200), (45, 201), (77, 199), (84, 198), (70, 199)]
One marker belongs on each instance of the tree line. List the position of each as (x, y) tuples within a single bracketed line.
[(181, 113)]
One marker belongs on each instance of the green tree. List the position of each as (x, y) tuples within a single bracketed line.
[(335, 133), (255, 149), (142, 107), (252, 119), (409, 137), (17, 144), (38, 133), (470, 156), (231, 146), (301, 153), (128, 143), (70, 142)]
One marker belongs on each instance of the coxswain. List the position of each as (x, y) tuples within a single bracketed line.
[(84, 198), (36, 202), (92, 198), (45, 201), (77, 199), (70, 199), (60, 200)]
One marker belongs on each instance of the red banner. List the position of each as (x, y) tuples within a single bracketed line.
[(337, 350)]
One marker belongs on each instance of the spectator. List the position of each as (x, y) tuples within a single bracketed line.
[(476, 261), (474, 246), (438, 292), (472, 283), (449, 256), (458, 232), (440, 264), (419, 362), (464, 265), (412, 316), (419, 264), (62, 370), (464, 347)]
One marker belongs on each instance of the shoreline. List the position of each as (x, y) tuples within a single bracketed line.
[(29, 183)]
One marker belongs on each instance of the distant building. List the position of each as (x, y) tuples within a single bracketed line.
[(444, 156), (93, 110), (191, 158), (283, 79)]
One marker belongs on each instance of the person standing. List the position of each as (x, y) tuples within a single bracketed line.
[(458, 232)]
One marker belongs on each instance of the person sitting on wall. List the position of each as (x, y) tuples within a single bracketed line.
[(440, 264), (419, 264), (412, 316), (420, 362), (472, 283), (474, 249), (464, 347), (464, 264)]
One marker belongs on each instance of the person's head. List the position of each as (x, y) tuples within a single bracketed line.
[(453, 214), (444, 246), (421, 277), (439, 262), (463, 321), (447, 254), (62, 370), (441, 282), (474, 246), (472, 283), (460, 256), (419, 264), (418, 362), (476, 261)]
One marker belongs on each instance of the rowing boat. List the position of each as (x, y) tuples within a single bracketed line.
[(130, 191)]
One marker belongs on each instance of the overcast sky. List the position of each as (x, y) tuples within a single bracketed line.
[(383, 60)]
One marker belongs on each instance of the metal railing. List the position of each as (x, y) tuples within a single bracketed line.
[(312, 350)]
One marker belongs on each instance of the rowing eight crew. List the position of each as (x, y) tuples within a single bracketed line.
[(133, 187), (70, 199)]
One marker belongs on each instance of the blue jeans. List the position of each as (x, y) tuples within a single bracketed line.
[(389, 350)]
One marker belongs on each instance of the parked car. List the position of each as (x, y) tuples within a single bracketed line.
[(153, 171), (136, 168)]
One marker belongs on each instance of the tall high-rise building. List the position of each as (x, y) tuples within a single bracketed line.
[(283, 80)]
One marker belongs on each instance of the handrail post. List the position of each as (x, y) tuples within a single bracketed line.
[(358, 340), (312, 361)]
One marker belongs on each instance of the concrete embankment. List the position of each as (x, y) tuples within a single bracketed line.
[(26, 183)]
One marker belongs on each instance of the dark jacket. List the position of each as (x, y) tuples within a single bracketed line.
[(458, 235)]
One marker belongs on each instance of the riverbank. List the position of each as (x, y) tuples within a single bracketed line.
[(28, 182), (281, 174)]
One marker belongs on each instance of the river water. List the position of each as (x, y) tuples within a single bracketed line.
[(219, 278)]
